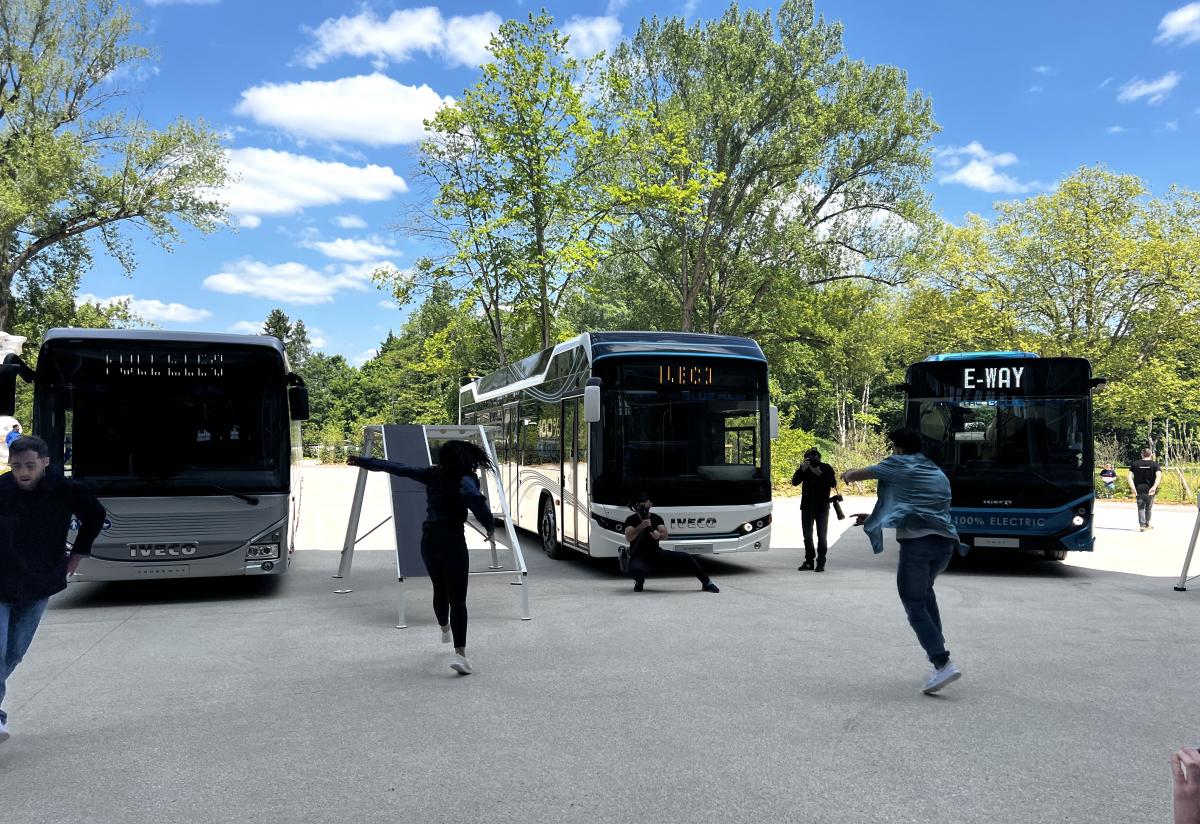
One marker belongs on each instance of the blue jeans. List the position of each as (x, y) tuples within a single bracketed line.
[(18, 623), (922, 560)]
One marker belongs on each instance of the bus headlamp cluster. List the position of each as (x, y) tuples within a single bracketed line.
[(1081, 516), (266, 546), (759, 524)]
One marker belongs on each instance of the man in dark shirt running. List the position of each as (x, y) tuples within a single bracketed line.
[(817, 481), (35, 516), (1144, 477)]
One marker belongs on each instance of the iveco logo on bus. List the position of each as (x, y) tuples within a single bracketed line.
[(692, 523), (997, 503), (165, 550)]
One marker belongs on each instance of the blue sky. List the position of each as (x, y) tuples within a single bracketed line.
[(321, 103)]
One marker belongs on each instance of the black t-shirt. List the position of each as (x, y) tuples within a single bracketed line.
[(644, 542), (815, 488), (1144, 472)]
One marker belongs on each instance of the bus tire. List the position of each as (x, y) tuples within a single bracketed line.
[(1054, 554), (548, 529)]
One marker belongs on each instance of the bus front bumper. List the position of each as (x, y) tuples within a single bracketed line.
[(223, 566), (604, 544)]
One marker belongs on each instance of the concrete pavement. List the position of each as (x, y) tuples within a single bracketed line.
[(787, 697)]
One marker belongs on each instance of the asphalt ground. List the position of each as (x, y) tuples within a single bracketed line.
[(787, 697)]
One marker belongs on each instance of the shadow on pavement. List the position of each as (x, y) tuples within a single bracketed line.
[(1013, 563), (148, 593)]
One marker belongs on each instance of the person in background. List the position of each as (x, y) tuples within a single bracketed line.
[(451, 488), (817, 482), (12, 435), (1144, 477), (35, 516), (1108, 476), (914, 499)]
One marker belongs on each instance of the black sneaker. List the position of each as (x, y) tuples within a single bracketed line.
[(807, 566), (710, 587), (638, 584), (820, 567)]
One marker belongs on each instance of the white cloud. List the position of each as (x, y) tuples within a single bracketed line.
[(615, 6), (350, 222), (979, 171), (1155, 91), (689, 8), (590, 35), (291, 282), (373, 109), (249, 221), (270, 182), (1115, 129), (317, 339), (1044, 69), (1171, 126), (363, 357), (406, 32), (388, 304), (1182, 25), (246, 327), (1104, 85), (154, 311), (351, 249), (1036, 89)]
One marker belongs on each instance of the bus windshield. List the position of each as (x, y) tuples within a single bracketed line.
[(1040, 436), (162, 419), (688, 433)]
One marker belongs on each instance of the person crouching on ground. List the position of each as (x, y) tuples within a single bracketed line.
[(35, 516), (451, 488), (914, 498), (644, 529)]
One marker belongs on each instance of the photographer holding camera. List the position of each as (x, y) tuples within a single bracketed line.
[(817, 481), (644, 529)]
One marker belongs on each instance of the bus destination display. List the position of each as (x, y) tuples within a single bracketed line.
[(164, 364), (678, 374)]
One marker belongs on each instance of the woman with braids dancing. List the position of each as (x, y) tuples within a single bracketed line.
[(452, 486)]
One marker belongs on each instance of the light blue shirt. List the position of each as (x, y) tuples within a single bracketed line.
[(914, 499)]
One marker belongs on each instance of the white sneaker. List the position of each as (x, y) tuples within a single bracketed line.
[(461, 665), (4, 734), (446, 635), (941, 677)]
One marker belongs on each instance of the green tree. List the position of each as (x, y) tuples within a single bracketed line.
[(298, 346), (72, 165), (278, 324), (818, 162)]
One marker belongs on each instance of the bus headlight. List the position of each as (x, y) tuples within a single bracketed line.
[(747, 527), (261, 552), (265, 546), (1077, 520)]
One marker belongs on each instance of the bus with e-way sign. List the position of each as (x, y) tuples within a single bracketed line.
[(188, 440), (1013, 433)]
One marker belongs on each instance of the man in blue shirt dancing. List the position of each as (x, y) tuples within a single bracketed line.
[(914, 499)]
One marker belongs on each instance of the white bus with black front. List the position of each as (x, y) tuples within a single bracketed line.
[(186, 438), (580, 427)]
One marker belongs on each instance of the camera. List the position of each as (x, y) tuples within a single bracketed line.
[(642, 511), (836, 500)]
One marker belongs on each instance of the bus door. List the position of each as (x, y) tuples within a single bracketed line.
[(575, 508), (509, 456)]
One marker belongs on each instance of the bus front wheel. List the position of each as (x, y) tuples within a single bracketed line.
[(548, 527), (1054, 554)]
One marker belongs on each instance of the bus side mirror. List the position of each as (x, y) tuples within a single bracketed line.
[(297, 398), (591, 403), (774, 421), (11, 368), (1096, 382)]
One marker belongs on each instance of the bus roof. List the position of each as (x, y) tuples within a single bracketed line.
[(161, 336), (991, 355), (606, 344)]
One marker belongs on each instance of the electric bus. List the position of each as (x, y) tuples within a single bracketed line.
[(188, 439), (581, 426), (1013, 432)]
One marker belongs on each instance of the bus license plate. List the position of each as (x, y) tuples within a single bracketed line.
[(161, 571), (1006, 543)]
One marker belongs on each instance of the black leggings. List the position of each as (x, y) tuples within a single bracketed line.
[(665, 560), (446, 560)]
